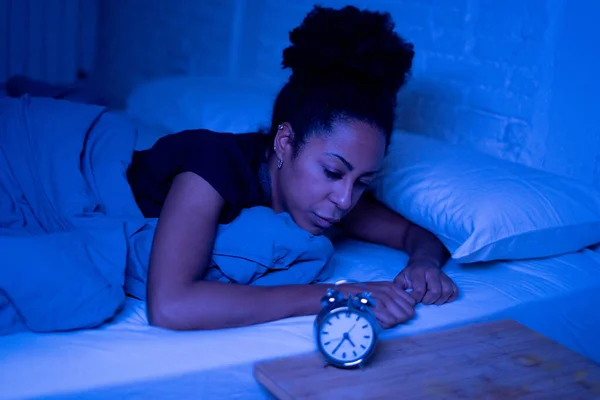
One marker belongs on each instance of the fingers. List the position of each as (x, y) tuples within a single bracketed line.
[(394, 305), (434, 289), (454, 294), (401, 280), (419, 284), (429, 285), (390, 314), (447, 290), (406, 306), (410, 300)]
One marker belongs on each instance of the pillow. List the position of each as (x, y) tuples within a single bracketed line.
[(483, 208), (188, 102), (147, 134)]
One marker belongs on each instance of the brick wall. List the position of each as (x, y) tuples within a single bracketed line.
[(479, 71), (484, 73)]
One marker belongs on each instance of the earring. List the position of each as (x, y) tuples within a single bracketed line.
[(280, 127), (279, 163)]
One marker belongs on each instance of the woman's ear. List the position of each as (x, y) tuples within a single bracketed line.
[(283, 141)]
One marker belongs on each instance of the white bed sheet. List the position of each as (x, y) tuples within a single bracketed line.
[(129, 359)]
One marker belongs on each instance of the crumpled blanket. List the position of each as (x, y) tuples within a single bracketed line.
[(258, 248), (73, 242)]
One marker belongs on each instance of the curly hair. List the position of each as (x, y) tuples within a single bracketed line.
[(347, 64)]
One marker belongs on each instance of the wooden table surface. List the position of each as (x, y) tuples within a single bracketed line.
[(496, 360)]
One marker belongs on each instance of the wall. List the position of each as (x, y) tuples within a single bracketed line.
[(512, 78), (572, 145), (141, 40), (48, 40)]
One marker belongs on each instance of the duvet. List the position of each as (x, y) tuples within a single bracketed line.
[(73, 242)]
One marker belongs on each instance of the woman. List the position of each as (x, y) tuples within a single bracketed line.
[(331, 125)]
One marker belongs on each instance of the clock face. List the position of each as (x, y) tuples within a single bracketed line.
[(346, 337)]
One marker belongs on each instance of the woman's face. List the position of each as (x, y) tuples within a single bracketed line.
[(331, 171)]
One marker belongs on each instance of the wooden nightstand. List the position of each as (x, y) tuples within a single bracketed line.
[(496, 360)]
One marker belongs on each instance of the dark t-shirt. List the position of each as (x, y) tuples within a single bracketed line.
[(233, 164)]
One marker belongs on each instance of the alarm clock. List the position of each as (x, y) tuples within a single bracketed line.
[(346, 329)]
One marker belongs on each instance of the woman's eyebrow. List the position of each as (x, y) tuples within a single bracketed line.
[(342, 159), (349, 165)]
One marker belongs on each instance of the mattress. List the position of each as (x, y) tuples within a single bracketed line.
[(127, 358)]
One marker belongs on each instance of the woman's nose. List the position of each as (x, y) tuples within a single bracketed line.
[(342, 196)]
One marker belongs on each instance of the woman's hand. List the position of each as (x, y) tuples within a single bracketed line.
[(393, 305), (429, 284)]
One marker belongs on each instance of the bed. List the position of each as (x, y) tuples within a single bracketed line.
[(550, 286), (127, 358)]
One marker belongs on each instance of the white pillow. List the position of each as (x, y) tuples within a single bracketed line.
[(483, 208), (188, 102)]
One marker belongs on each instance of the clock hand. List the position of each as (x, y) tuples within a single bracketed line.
[(338, 346), (350, 330), (347, 337)]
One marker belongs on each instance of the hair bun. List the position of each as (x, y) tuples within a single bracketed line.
[(348, 46)]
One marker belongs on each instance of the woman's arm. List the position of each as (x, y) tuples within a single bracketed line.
[(179, 299), (181, 251), (373, 222)]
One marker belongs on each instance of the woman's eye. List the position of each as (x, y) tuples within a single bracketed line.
[(362, 184), (332, 174)]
